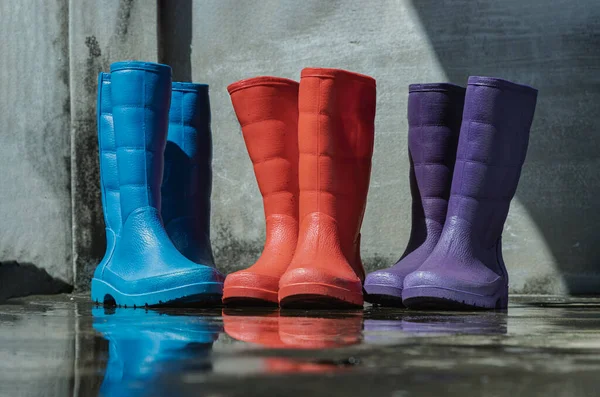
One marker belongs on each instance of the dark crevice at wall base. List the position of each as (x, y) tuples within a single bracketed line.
[(23, 279), (175, 37), (376, 262), (231, 253)]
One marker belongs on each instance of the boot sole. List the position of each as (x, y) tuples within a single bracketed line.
[(383, 295), (248, 296), (436, 298), (208, 293), (384, 300), (322, 296)]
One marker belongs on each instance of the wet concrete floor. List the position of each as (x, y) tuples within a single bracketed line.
[(64, 346)]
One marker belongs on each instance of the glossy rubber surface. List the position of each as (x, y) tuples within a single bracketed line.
[(335, 140), (267, 109), (466, 266), (144, 267), (109, 176), (434, 119)]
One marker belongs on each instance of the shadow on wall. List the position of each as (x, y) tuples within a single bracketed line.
[(554, 47)]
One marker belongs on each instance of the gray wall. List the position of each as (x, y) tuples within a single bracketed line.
[(50, 209), (35, 105)]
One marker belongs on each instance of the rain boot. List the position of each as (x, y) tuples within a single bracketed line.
[(187, 179), (267, 109), (466, 269), (109, 176), (434, 118), (144, 268), (335, 140)]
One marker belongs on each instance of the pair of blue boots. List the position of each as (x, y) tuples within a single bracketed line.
[(155, 174)]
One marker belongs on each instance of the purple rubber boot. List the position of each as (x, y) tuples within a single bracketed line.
[(465, 269), (434, 118)]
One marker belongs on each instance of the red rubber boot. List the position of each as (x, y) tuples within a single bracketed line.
[(267, 109), (335, 139)]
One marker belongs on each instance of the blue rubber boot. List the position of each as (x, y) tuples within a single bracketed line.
[(187, 180), (148, 350), (144, 268), (109, 178)]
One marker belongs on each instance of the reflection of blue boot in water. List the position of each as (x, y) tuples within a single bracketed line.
[(142, 265), (149, 351)]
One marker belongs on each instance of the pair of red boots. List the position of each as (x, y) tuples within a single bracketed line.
[(311, 145)]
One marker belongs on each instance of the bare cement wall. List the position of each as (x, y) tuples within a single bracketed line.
[(50, 205)]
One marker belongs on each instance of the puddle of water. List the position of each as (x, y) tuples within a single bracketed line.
[(65, 346)]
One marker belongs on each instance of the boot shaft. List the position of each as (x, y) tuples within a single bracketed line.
[(335, 140), (267, 110), (141, 94), (492, 146), (187, 180), (109, 177), (434, 119)]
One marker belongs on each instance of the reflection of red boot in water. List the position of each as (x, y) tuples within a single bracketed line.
[(272, 330), (288, 365), (257, 328), (319, 333)]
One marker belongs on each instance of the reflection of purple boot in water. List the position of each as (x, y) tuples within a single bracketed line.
[(390, 330), (434, 118), (480, 323), (466, 268)]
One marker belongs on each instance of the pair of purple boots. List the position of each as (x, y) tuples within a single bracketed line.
[(466, 148)]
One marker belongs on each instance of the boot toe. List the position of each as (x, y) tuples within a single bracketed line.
[(176, 278), (384, 282), (313, 285), (188, 284), (444, 280), (422, 279), (442, 290), (244, 284)]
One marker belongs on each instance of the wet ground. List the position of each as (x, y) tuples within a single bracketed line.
[(64, 346)]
